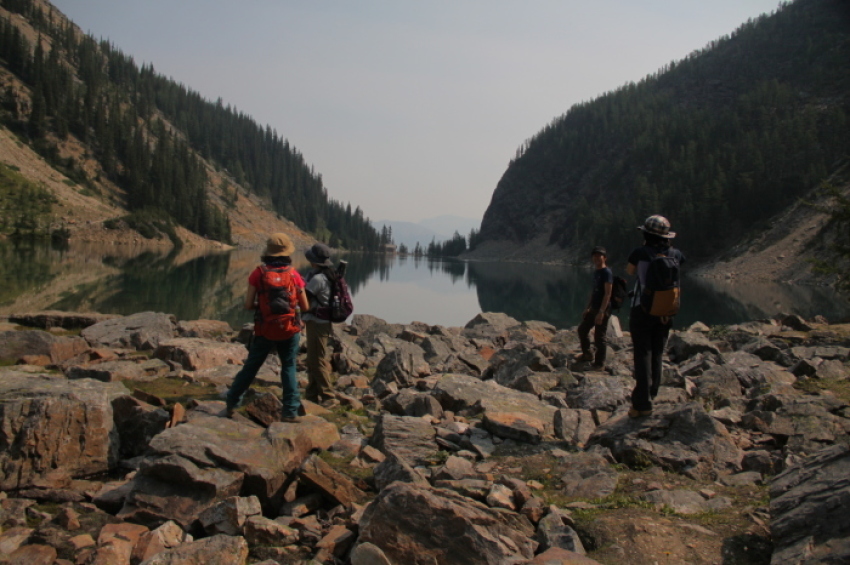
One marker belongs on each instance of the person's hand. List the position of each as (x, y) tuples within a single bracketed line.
[(600, 317)]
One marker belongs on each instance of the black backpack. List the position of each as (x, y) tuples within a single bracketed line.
[(340, 305), (619, 292), (661, 296)]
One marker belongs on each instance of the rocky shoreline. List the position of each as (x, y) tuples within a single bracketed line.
[(487, 444)]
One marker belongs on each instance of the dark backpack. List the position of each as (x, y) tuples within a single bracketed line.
[(340, 306), (277, 297), (661, 294), (619, 292)]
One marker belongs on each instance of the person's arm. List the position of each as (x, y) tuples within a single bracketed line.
[(631, 269), (302, 301), (250, 297)]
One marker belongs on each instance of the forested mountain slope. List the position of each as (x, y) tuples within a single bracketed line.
[(719, 142), (136, 141)]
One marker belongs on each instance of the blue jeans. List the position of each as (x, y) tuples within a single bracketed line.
[(287, 350)]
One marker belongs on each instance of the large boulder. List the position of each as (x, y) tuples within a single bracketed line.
[(403, 365), (411, 439), (462, 392), (684, 345), (491, 326), (803, 424), (417, 524), (137, 423), (195, 354), (600, 392), (14, 345), (54, 429), (215, 550), (144, 330), (200, 463), (679, 438), (810, 522)]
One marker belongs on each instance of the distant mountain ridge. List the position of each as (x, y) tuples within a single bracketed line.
[(439, 228), (719, 142)]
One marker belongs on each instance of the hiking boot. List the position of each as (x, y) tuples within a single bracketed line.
[(227, 412), (634, 413), (301, 410), (584, 357), (291, 419)]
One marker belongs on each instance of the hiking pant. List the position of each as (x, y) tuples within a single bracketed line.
[(287, 350), (649, 338), (600, 334), (319, 387)]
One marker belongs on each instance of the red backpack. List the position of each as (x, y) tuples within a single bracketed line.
[(276, 317)]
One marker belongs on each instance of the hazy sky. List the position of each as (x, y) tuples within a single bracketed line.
[(409, 110)]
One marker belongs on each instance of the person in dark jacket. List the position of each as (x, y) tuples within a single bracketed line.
[(649, 333), (598, 310)]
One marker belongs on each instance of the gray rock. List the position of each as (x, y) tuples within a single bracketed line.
[(719, 387), (260, 530), (754, 373), (199, 463), (137, 423), (207, 329), (462, 392), (489, 325), (809, 518), (403, 365), (14, 345), (412, 439), (408, 402), (684, 345), (195, 354), (229, 516), (574, 425), (514, 425), (368, 554), (555, 531), (507, 365), (411, 524), (144, 330), (215, 550), (600, 392), (587, 476), (683, 439)]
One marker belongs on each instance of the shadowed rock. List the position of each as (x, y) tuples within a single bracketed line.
[(681, 438), (14, 345), (208, 459), (416, 525), (54, 429), (810, 522)]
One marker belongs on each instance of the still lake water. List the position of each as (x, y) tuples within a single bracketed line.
[(195, 285)]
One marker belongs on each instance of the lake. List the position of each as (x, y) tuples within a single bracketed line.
[(192, 284)]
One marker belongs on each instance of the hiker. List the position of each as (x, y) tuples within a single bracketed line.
[(319, 281), (598, 310), (649, 330), (275, 293)]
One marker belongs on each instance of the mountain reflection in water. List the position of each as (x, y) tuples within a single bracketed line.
[(194, 284)]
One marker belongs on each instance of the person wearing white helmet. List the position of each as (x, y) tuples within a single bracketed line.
[(648, 329)]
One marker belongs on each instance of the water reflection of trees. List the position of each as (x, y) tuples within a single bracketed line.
[(530, 292), (193, 290), (23, 266)]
